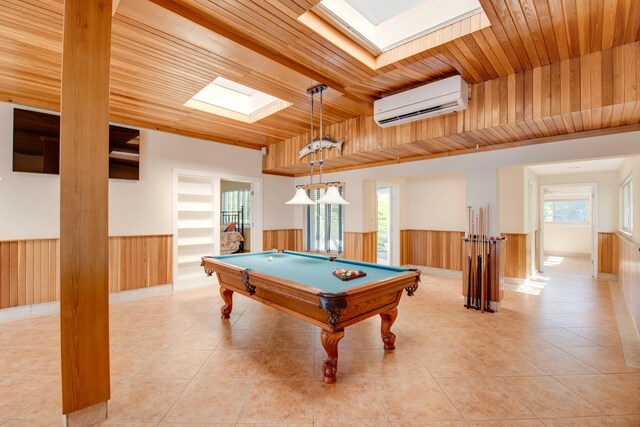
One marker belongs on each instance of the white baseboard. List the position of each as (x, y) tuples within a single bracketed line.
[(201, 282)]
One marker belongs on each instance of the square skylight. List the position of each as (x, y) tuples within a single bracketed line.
[(236, 101), (387, 24)]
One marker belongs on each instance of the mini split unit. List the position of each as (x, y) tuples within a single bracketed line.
[(433, 99)]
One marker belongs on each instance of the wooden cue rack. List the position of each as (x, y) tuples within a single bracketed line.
[(482, 263)]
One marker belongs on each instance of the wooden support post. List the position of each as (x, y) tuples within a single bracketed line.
[(84, 244)]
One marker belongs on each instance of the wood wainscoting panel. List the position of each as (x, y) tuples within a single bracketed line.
[(140, 262), (432, 248), (515, 254), (289, 239), (361, 246), (607, 253), (29, 272), (30, 269), (629, 274)]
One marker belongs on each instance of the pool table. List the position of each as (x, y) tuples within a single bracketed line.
[(304, 286)]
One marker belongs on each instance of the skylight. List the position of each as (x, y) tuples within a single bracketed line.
[(388, 24), (236, 101)]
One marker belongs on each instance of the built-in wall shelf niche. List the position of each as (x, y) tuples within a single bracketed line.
[(196, 226)]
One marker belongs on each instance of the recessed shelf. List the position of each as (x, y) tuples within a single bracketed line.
[(195, 224), (195, 207)]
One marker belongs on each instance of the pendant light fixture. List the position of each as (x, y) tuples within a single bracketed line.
[(332, 195)]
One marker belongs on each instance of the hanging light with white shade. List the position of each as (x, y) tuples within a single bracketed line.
[(332, 195)]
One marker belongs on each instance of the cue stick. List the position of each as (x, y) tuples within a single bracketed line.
[(468, 253), (482, 282)]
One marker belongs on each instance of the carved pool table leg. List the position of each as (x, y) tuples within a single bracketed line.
[(227, 296), (330, 344), (388, 337)]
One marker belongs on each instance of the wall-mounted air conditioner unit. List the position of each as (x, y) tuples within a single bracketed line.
[(433, 99)]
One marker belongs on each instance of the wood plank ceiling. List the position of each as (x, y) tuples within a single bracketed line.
[(165, 51)]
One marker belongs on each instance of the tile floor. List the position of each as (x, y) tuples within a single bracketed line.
[(568, 265), (551, 356)]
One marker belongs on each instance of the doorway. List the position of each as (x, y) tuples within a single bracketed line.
[(568, 218), (201, 216), (236, 202), (387, 221)]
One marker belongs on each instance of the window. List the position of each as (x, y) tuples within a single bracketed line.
[(567, 211), (627, 205), (323, 224), (235, 200)]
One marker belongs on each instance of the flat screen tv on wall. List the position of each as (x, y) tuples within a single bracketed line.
[(36, 146)]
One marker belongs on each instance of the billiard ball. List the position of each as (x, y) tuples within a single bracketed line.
[(270, 258)]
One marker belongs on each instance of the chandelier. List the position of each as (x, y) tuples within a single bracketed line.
[(317, 145)]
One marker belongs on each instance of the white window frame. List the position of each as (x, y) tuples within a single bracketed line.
[(309, 244), (624, 227), (554, 200)]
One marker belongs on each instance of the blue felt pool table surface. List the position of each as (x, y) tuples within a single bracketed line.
[(310, 269)]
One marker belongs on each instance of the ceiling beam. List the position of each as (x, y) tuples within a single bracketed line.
[(221, 28)]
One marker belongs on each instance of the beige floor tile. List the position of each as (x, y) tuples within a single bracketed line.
[(198, 339), (126, 362), (144, 399), (580, 422), (608, 337), (547, 398), (563, 338), (291, 339), (231, 363), (287, 364), (555, 361), (626, 420), (429, 424), (274, 425), (609, 360), (209, 400), (357, 424), (47, 409), (279, 401), (453, 363), (500, 363), (415, 398), (18, 392), (125, 424), (483, 399), (30, 423), (615, 394), (348, 400), (175, 364), (395, 363), (507, 423), (244, 339)]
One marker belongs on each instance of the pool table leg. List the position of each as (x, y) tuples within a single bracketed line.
[(330, 344), (388, 337), (227, 296)]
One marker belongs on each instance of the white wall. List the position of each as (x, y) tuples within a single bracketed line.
[(276, 215), (436, 202), (29, 203), (567, 239), (513, 194)]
